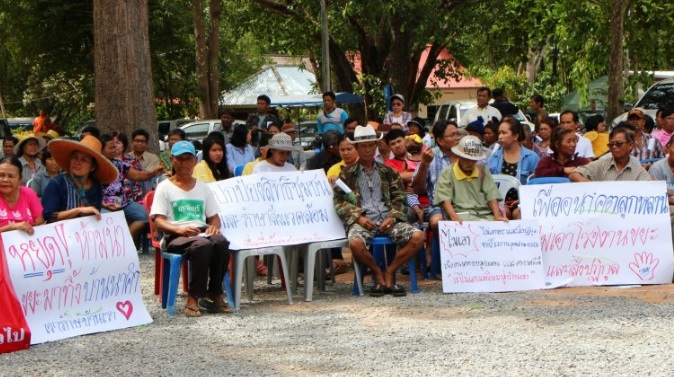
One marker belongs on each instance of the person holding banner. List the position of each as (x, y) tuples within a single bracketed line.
[(279, 149), (20, 208), (78, 192), (370, 198), (466, 190), (185, 210), (621, 166)]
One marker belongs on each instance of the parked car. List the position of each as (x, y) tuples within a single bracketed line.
[(307, 131), (455, 110), (659, 95)]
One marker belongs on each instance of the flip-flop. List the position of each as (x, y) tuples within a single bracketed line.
[(211, 307), (192, 311)]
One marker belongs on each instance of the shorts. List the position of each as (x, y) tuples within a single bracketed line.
[(400, 233), (428, 213), (135, 212)]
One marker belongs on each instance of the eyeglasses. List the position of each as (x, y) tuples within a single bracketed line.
[(617, 144), (453, 134)]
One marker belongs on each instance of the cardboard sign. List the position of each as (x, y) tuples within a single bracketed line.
[(602, 233), (277, 209), (76, 277), (490, 256)]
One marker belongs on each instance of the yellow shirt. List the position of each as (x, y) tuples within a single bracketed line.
[(460, 175), (248, 168), (599, 141), (335, 169), (203, 173)]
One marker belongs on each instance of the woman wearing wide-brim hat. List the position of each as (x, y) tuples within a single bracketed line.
[(78, 191), (27, 150)]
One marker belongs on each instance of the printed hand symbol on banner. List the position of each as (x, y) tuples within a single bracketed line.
[(644, 264)]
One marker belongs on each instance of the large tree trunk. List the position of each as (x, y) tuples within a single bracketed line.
[(213, 59), (616, 59), (201, 59), (124, 93), (207, 57)]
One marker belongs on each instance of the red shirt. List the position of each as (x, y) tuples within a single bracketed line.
[(550, 167)]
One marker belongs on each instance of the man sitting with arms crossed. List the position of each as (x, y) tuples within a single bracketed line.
[(374, 205), (466, 190)]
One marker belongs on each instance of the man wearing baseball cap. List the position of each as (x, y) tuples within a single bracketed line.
[(185, 210), (645, 145), (466, 190)]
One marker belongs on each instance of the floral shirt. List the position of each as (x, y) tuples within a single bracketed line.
[(118, 189), (138, 188)]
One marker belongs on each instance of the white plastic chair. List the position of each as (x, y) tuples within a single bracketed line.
[(310, 252), (504, 183), (240, 257)]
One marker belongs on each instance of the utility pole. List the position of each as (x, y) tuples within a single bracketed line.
[(325, 45)]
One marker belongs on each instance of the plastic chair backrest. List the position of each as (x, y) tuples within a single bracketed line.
[(149, 197), (649, 161), (238, 170), (504, 183), (547, 180)]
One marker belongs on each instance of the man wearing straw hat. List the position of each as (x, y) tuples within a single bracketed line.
[(466, 190), (370, 198)]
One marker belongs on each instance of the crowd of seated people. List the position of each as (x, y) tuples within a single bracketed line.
[(403, 175)]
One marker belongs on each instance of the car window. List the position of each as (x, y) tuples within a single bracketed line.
[(659, 96), (452, 113), (197, 131), (442, 114)]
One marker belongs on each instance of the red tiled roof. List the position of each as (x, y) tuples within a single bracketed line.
[(462, 82)]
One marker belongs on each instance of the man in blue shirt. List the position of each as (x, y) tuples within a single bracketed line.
[(332, 117)]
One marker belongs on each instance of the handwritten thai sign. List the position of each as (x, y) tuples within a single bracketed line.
[(277, 209), (490, 256), (602, 233), (76, 277)]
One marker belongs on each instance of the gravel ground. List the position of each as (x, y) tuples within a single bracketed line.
[(564, 332)]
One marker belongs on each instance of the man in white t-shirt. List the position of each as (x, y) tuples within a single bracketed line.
[(185, 210), (279, 148), (483, 109), (569, 119)]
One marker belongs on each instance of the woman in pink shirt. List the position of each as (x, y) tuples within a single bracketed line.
[(20, 208)]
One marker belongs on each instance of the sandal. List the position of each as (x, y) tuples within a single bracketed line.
[(192, 311), (261, 270), (395, 291), (377, 291), (213, 308)]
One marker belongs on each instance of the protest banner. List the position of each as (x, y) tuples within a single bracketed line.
[(490, 256), (277, 209), (602, 233), (76, 277)]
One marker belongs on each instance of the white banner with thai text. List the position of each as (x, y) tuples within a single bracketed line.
[(602, 233), (277, 209), (76, 277), (490, 256)]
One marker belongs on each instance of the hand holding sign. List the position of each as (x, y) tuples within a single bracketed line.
[(644, 264)]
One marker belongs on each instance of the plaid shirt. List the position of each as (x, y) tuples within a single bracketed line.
[(349, 206), (641, 151)]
